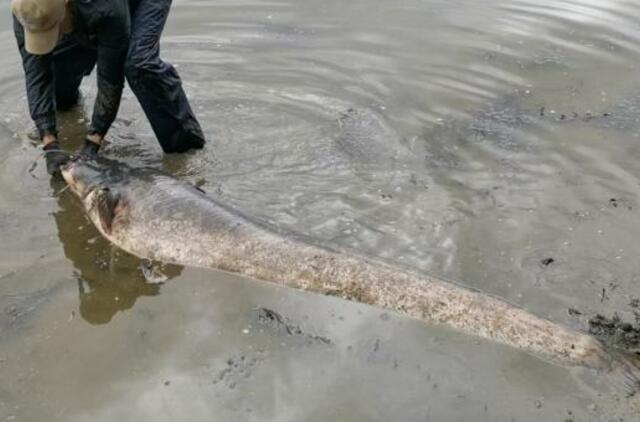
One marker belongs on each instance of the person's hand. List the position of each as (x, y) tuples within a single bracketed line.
[(55, 157), (90, 148)]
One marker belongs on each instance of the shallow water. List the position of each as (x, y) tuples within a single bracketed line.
[(471, 140)]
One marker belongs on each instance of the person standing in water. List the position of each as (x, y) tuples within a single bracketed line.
[(156, 83), (61, 41)]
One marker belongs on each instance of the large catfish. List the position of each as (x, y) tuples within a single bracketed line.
[(153, 215)]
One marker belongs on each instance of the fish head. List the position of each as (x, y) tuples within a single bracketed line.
[(82, 176), (98, 184), (86, 176)]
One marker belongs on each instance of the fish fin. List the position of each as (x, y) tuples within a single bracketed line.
[(107, 203), (625, 373)]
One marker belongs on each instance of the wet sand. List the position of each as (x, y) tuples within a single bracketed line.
[(200, 351)]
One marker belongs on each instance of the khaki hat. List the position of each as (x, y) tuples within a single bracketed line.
[(41, 20)]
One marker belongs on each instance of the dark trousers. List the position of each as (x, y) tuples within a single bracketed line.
[(155, 83), (71, 63)]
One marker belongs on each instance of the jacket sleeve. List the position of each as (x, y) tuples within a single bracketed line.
[(113, 42), (38, 71)]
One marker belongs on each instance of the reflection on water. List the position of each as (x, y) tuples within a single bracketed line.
[(109, 280)]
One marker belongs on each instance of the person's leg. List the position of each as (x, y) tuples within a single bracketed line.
[(155, 83), (72, 62)]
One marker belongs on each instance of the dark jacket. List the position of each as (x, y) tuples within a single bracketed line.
[(103, 25)]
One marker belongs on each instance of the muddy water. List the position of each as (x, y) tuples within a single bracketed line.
[(493, 143)]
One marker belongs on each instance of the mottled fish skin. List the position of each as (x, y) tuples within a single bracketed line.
[(161, 218)]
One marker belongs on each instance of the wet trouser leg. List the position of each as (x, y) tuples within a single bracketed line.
[(71, 63), (155, 83)]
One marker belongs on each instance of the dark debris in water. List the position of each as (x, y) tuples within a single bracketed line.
[(574, 312), (616, 332), (547, 261), (620, 203), (276, 322), (572, 115)]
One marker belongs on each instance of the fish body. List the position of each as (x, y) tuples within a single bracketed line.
[(152, 215)]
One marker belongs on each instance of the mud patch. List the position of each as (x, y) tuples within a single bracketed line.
[(238, 368), (617, 333), (281, 326)]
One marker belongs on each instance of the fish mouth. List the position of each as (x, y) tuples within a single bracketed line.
[(67, 174)]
